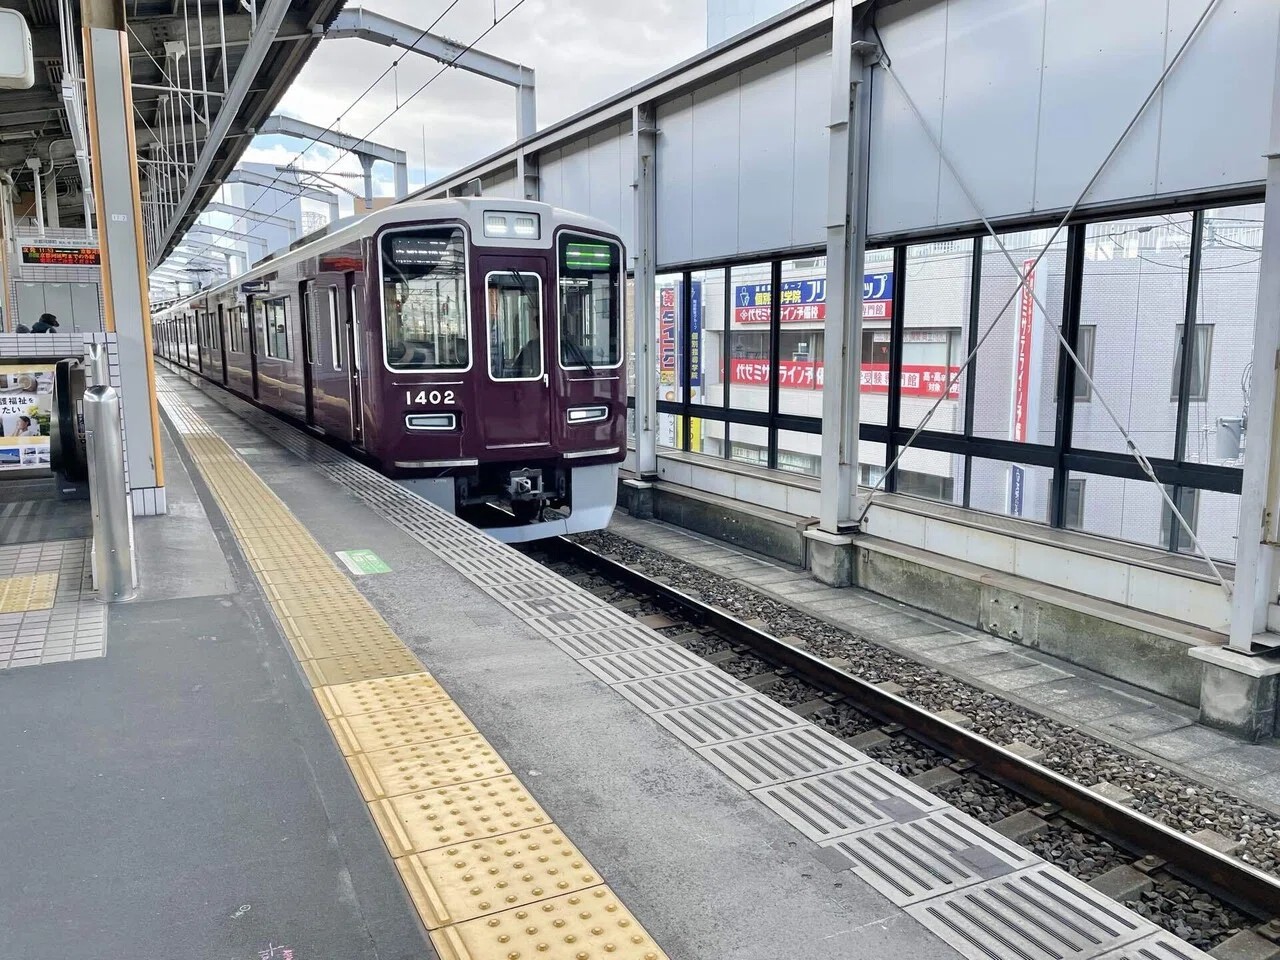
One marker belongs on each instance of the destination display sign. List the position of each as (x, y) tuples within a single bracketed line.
[(50, 256)]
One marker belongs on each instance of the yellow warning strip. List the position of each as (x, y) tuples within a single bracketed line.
[(27, 592), (491, 876)]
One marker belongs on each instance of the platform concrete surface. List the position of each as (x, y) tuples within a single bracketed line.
[(181, 795), (1110, 709), (708, 870)]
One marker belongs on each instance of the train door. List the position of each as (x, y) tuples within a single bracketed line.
[(515, 406), (308, 345), (355, 337), (222, 342), (252, 309)]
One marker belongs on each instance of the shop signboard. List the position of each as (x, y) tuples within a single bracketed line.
[(1022, 406), (805, 301), (26, 407), (918, 380)]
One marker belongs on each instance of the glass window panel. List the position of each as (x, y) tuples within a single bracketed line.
[(1225, 307), (800, 453), (802, 317), (590, 321), (424, 300), (515, 325), (748, 444), (706, 337), (935, 333), (877, 317), (871, 461), (706, 436), (750, 358), (1133, 300), (1016, 366), (1010, 489)]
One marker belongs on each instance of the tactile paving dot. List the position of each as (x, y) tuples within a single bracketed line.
[(384, 693), (589, 925), (425, 766), (339, 636), (380, 663), (418, 822), (363, 732), (470, 880)]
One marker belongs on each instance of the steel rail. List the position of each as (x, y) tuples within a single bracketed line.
[(1245, 886)]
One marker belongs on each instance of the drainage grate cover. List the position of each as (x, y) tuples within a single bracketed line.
[(778, 757), (613, 640), (682, 689), (709, 723), (551, 606), (1036, 914), (528, 589), (653, 662), (1160, 946), (835, 804), (939, 853)]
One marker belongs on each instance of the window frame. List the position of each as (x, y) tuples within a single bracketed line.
[(542, 329), (564, 233), (269, 333), (467, 310), (335, 326)]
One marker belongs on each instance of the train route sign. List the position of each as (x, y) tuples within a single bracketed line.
[(363, 561), (61, 256)]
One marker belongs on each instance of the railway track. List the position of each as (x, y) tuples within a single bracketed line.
[(1189, 887)]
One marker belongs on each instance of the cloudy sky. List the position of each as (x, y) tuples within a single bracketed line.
[(582, 50)]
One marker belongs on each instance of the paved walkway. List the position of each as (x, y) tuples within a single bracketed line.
[(1112, 710)]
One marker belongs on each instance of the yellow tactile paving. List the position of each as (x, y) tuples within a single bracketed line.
[(423, 723), (27, 592), (384, 693), (331, 670), (588, 925), (492, 877), (471, 880), (418, 822), (424, 766)]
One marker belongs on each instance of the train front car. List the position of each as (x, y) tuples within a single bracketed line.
[(500, 380)]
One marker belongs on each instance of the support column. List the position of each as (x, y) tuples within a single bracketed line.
[(118, 201), (366, 164), (402, 179), (51, 216), (644, 129), (831, 549), (1259, 530), (37, 189)]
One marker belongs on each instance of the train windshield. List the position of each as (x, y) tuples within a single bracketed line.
[(515, 325), (590, 308), (424, 299)]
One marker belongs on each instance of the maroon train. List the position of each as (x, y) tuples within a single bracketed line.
[(471, 348)]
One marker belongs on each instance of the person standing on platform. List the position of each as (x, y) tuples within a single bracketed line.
[(47, 323)]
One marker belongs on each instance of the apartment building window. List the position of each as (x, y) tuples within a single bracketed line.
[(1198, 387), (1083, 392)]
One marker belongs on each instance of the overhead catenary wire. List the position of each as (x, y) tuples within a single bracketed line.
[(1143, 463), (332, 128)]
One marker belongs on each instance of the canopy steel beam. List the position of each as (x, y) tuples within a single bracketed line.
[(365, 25), (247, 213), (285, 186)]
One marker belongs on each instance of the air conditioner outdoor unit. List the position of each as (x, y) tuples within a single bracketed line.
[(17, 65)]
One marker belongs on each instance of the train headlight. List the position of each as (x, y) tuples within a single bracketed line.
[(495, 225), (526, 226), (431, 421), (594, 414)]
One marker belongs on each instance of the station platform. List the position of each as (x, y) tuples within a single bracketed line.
[(339, 722)]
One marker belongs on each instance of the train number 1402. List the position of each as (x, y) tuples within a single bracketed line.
[(428, 397)]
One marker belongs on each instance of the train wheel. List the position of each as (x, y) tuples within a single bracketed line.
[(526, 511)]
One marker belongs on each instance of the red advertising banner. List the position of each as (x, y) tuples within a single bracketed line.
[(918, 380), (1022, 353)]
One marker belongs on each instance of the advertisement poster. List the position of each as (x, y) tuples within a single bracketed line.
[(1022, 406), (26, 406), (805, 301)]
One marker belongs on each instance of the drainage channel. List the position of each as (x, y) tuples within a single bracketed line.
[(1200, 894)]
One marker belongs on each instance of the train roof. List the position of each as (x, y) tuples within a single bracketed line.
[(470, 210)]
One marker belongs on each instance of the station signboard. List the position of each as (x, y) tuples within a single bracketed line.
[(60, 256)]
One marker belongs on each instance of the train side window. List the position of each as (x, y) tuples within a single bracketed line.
[(335, 328), (590, 302), (515, 325), (277, 329), (424, 299)]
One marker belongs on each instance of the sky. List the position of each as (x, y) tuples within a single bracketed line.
[(581, 50)]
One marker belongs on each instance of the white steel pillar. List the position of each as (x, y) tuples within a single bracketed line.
[(1259, 530), (118, 199), (51, 214), (644, 131)]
